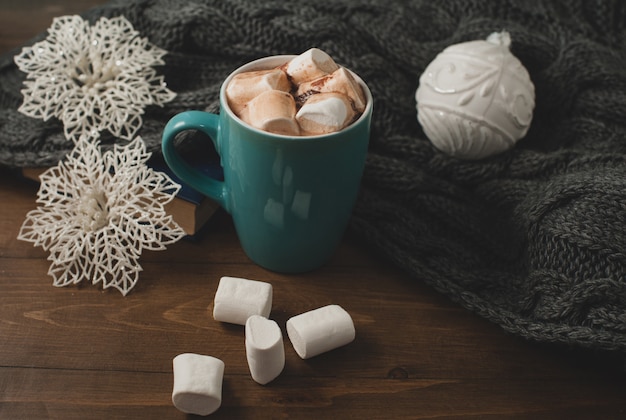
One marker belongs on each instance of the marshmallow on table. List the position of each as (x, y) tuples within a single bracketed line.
[(325, 113), (273, 111), (237, 299), (339, 81), (197, 383), (264, 349), (245, 86), (310, 65), (320, 330)]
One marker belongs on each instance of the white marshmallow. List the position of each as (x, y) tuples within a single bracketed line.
[(237, 299), (245, 86), (310, 65), (197, 383), (342, 81), (320, 330), (264, 349), (273, 111), (325, 113)]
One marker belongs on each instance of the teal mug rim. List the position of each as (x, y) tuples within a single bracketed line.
[(278, 60)]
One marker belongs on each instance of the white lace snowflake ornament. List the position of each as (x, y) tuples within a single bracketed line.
[(92, 78), (98, 212)]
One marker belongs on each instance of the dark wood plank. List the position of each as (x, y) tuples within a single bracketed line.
[(74, 394), (20, 21)]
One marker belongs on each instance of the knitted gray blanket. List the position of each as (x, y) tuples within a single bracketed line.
[(533, 239)]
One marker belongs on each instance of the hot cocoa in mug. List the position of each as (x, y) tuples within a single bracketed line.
[(292, 135)]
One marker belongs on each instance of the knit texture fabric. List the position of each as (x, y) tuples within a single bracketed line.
[(533, 239)]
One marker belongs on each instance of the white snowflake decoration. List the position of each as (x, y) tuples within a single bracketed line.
[(92, 78), (98, 211)]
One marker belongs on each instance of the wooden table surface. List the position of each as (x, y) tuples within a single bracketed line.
[(81, 353)]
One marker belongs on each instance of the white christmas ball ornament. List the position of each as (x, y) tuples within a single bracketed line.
[(475, 99)]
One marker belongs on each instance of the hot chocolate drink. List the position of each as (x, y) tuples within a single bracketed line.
[(307, 96)]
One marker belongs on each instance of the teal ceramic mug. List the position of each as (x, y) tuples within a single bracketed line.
[(290, 197)]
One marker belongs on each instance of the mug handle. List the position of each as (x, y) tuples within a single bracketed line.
[(209, 125)]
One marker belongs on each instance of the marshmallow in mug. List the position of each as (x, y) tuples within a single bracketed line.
[(248, 85), (339, 81), (238, 299), (311, 73), (273, 111), (325, 113), (320, 330), (310, 65)]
